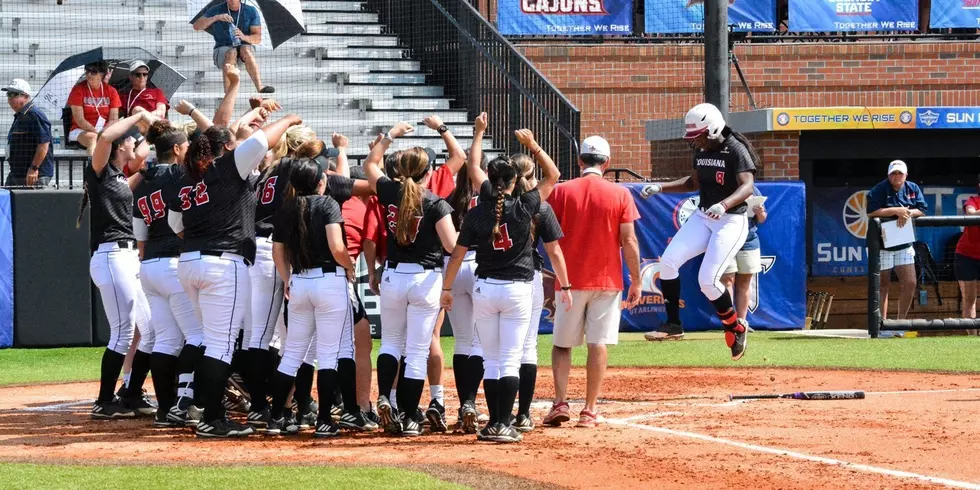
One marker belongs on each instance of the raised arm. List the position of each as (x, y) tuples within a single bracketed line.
[(477, 175), (456, 156), (250, 152), (549, 171), (226, 109), (372, 164), (100, 157), (340, 142), (188, 109), (205, 22)]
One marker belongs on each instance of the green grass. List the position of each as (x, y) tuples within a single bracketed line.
[(258, 477), (960, 354)]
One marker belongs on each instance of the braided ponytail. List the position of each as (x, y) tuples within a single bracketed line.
[(498, 211), (501, 173)]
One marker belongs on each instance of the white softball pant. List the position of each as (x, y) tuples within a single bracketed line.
[(115, 271), (266, 297), (530, 354), (461, 316), (173, 319), (502, 311), (719, 240), (409, 308), (319, 311), (218, 287)]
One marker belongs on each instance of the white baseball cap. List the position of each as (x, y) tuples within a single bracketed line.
[(898, 166), (595, 145), (19, 86)]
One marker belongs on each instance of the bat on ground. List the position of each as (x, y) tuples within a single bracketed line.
[(805, 395)]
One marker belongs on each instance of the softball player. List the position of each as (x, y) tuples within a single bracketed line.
[(114, 266), (215, 209), (724, 168), (310, 246), (172, 315), (501, 228), (420, 227)]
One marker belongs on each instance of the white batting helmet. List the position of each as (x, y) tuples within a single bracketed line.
[(704, 119)]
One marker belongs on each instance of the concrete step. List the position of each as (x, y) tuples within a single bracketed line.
[(344, 29), (372, 91), (373, 53), (337, 17)]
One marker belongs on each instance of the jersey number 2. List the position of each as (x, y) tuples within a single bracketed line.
[(720, 178), (269, 191), (504, 242), (156, 201), (200, 195)]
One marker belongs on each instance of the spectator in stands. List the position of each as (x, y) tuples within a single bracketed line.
[(966, 263), (30, 158), (94, 106), (896, 197), (228, 23), (141, 97), (746, 264)]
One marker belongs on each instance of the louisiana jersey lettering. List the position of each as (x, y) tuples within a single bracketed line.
[(509, 256), (150, 206), (718, 172), (112, 205), (426, 248), (546, 229), (219, 211)]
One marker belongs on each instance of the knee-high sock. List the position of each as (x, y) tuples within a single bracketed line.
[(239, 361), (529, 376), (281, 384), (211, 378), (409, 395), (164, 369), (672, 296), (490, 389), (726, 311), (304, 387), (347, 384), (187, 361), (256, 378), (508, 387), (475, 375), (387, 370), (141, 367), (460, 376), (326, 384), (112, 363)]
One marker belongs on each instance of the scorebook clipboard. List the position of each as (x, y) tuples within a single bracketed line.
[(893, 235), (752, 202)]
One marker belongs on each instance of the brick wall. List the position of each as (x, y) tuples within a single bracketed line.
[(618, 87), (779, 152)]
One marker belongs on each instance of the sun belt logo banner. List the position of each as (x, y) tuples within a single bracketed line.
[(565, 17), (954, 14)]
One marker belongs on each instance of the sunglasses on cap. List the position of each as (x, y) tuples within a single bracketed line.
[(140, 74)]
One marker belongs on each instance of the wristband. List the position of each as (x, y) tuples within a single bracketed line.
[(566, 288), (388, 137), (191, 111), (447, 290), (34, 169), (442, 129), (535, 152)]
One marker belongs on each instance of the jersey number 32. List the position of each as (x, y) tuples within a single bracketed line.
[(200, 197)]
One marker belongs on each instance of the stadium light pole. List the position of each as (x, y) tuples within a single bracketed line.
[(717, 73)]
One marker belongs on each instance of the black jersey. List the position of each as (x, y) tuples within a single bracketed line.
[(546, 229), (112, 205), (426, 247), (219, 211), (718, 172), (273, 187), (150, 206), (511, 256), (320, 212)]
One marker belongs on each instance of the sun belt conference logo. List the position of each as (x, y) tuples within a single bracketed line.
[(855, 214), (564, 7), (782, 119), (906, 117), (929, 117)]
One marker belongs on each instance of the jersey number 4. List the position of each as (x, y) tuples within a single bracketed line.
[(200, 197), (269, 191), (393, 221), (504, 242), (152, 208)]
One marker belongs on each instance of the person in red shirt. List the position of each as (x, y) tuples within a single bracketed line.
[(597, 218), (94, 106), (966, 263), (140, 97)]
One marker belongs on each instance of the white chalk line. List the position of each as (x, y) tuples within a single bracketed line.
[(791, 454), (916, 392), (60, 407)]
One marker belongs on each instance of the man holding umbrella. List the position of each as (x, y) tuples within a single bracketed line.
[(141, 97), (228, 23)]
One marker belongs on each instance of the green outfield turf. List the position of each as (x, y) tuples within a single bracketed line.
[(258, 477), (960, 354)]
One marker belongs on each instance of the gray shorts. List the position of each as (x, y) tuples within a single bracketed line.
[(220, 51)]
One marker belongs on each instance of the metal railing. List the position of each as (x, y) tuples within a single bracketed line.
[(483, 72)]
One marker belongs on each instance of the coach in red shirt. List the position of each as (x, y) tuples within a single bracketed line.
[(597, 218), (141, 97), (966, 263)]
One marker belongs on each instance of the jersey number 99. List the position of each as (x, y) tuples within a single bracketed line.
[(200, 195), (158, 208)]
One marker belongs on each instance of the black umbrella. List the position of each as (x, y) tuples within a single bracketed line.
[(280, 18), (162, 76)]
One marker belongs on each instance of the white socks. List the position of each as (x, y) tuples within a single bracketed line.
[(436, 392)]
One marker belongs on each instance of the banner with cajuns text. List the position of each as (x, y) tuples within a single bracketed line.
[(778, 297), (687, 16), (565, 17), (954, 14), (853, 15), (840, 224)]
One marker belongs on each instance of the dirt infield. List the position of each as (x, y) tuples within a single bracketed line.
[(664, 428)]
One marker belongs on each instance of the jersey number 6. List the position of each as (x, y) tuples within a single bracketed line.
[(200, 195), (269, 191)]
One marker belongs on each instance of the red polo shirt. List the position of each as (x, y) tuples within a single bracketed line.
[(590, 210), (443, 182), (354, 210), (147, 99), (374, 229), (969, 243)]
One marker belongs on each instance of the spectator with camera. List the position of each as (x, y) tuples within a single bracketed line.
[(94, 106), (30, 157), (228, 23)]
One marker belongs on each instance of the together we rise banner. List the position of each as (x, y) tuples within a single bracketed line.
[(565, 17)]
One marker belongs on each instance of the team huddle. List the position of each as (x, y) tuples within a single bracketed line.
[(236, 252)]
